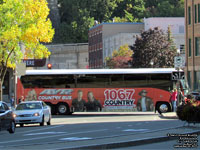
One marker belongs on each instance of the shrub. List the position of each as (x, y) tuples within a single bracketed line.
[(189, 112)]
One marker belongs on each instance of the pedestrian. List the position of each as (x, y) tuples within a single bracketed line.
[(12, 101), (173, 99)]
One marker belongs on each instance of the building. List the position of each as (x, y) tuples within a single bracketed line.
[(105, 37), (176, 24), (114, 42), (67, 56), (192, 42)]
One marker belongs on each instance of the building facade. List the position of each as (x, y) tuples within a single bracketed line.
[(192, 40), (67, 56), (104, 38), (176, 24)]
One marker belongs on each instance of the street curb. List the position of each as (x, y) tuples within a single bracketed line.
[(131, 143)]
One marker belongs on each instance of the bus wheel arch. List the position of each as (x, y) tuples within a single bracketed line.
[(53, 108), (163, 107), (63, 108)]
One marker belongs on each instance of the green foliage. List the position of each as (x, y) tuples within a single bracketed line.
[(164, 8), (77, 16), (153, 49)]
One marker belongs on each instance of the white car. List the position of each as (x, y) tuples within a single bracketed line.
[(30, 112)]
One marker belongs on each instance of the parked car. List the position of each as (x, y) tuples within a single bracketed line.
[(196, 95), (31, 112), (7, 121)]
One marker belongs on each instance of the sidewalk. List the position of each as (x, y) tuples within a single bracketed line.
[(169, 115)]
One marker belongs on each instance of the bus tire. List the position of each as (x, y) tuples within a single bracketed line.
[(63, 108), (163, 107)]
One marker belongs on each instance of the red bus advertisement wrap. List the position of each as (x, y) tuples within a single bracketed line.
[(101, 99)]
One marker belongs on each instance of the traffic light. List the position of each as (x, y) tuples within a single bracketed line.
[(49, 66)]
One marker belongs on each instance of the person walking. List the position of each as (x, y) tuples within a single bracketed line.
[(174, 99), (12, 101)]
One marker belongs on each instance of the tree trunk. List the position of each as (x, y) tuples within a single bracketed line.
[(2, 75), (1, 92)]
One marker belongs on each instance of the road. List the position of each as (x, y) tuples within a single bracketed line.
[(83, 127)]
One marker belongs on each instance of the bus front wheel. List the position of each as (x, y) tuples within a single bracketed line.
[(163, 108), (63, 108)]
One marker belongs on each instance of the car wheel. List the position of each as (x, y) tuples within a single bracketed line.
[(163, 108), (12, 127), (49, 122), (62, 109), (42, 123), (21, 124)]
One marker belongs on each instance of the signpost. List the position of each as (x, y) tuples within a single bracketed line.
[(179, 63)]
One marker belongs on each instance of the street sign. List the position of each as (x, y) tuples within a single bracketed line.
[(34, 62), (20, 69), (177, 75), (179, 62)]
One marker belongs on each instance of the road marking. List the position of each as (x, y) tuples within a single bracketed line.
[(135, 130), (42, 137), (75, 139), (46, 128), (44, 133)]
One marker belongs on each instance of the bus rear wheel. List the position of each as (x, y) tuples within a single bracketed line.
[(63, 108), (163, 108)]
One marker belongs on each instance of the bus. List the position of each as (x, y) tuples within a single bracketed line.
[(80, 90)]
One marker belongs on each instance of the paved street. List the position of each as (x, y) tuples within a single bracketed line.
[(85, 129)]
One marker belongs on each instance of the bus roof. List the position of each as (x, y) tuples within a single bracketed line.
[(100, 71)]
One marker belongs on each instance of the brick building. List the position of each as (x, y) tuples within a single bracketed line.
[(99, 39), (192, 38)]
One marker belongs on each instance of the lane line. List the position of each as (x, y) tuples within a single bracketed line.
[(44, 133), (46, 128)]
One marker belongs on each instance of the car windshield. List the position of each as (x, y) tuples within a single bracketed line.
[(28, 106)]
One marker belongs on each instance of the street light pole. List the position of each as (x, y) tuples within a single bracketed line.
[(178, 81)]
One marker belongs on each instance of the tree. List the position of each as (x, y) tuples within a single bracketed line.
[(23, 23), (120, 58), (131, 10), (164, 8), (153, 49)]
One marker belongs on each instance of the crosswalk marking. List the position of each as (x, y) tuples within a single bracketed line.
[(135, 130), (75, 138)]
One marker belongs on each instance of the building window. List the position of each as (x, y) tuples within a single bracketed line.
[(197, 46), (189, 78), (190, 47), (198, 12), (182, 49), (196, 80), (189, 15), (195, 13)]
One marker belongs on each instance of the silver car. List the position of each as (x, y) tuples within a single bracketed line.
[(30, 112)]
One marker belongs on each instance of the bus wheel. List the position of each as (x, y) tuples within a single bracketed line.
[(62, 108), (163, 107)]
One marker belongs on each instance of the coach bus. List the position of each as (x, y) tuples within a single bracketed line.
[(71, 90)]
